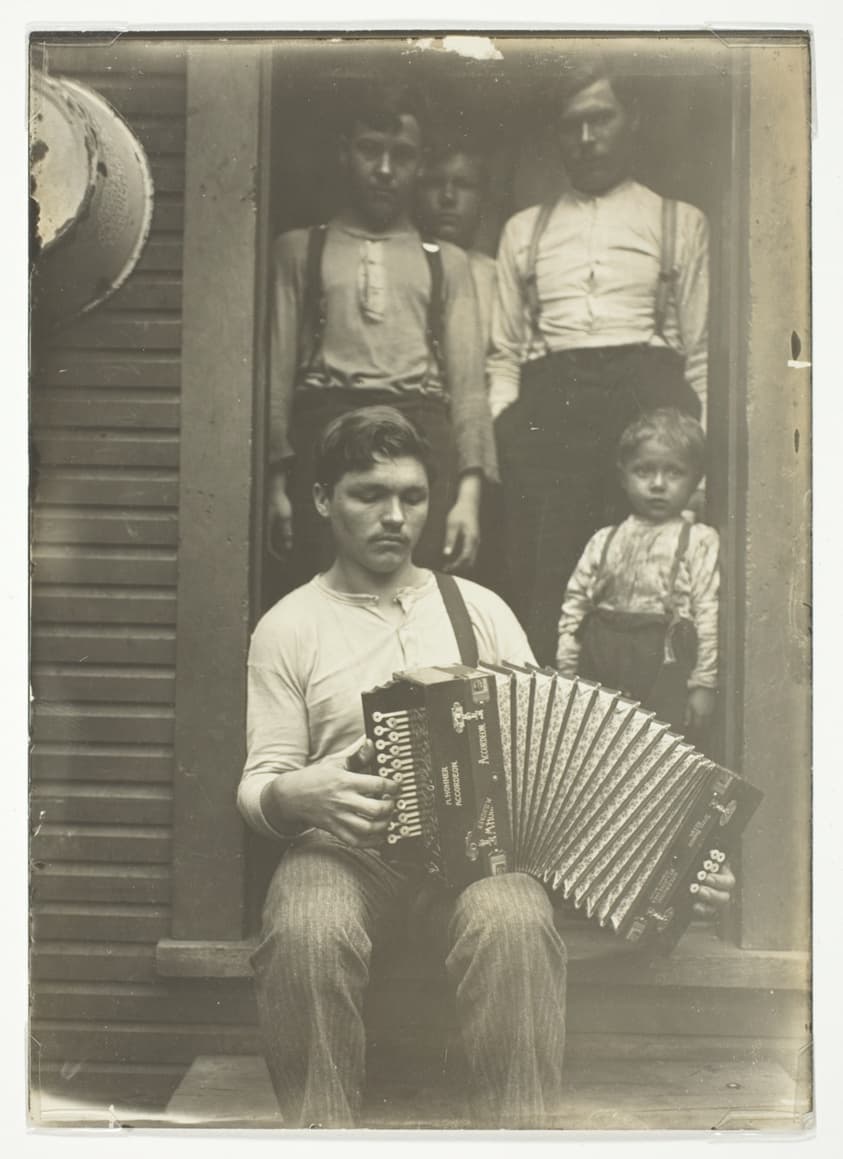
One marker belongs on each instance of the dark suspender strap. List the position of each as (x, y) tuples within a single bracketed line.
[(668, 272), (681, 548), (674, 624), (313, 303), (531, 291), (604, 555), (436, 306), (458, 615)]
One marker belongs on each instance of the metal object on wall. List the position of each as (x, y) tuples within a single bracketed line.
[(91, 198)]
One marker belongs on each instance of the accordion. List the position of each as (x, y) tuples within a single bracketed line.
[(508, 769)]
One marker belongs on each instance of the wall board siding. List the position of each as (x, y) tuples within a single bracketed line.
[(110, 330), (118, 844), (105, 723), (154, 291), (99, 922), (105, 448), (99, 804), (60, 367), (83, 526), (105, 410), (111, 409), (93, 961), (97, 645), (54, 881), (98, 762), (61, 604), (108, 487)]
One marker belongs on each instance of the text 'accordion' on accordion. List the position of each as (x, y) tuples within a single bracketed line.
[(518, 769)]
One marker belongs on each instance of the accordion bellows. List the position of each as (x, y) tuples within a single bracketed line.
[(514, 769)]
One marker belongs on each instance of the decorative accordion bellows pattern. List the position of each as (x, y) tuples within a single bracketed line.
[(506, 769)]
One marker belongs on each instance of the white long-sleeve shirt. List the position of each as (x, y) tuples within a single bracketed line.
[(597, 269), (316, 650), (635, 578)]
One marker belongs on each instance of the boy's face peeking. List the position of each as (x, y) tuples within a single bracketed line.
[(451, 197), (658, 481), (381, 165)]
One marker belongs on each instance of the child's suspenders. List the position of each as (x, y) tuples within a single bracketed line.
[(678, 556), (670, 599), (313, 301), (668, 273)]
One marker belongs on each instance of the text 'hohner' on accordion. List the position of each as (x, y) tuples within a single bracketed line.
[(508, 769)]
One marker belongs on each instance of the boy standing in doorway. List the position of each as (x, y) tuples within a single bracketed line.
[(452, 196), (452, 193), (365, 313)]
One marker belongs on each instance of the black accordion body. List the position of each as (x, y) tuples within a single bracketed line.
[(512, 769)]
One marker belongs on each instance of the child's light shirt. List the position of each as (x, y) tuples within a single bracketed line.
[(635, 578)]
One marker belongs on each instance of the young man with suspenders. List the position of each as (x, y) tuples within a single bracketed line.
[(365, 312), (601, 314)]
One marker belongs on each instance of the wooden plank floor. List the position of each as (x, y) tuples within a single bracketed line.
[(598, 1095), (422, 1091)]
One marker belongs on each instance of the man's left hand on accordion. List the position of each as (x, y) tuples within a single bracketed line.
[(714, 892)]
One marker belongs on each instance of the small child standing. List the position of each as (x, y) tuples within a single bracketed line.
[(640, 611)]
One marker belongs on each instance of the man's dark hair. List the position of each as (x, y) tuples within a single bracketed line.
[(357, 440), (380, 106), (581, 72)]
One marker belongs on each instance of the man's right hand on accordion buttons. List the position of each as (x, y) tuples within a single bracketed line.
[(354, 807)]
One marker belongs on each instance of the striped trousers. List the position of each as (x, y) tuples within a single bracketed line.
[(328, 907)]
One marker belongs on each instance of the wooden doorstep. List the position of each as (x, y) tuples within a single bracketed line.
[(610, 1094)]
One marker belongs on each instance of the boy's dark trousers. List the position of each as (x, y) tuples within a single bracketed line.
[(557, 451), (626, 651)]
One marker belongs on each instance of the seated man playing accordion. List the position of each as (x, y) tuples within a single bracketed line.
[(308, 782)]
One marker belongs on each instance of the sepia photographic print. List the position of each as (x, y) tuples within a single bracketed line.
[(420, 616)]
